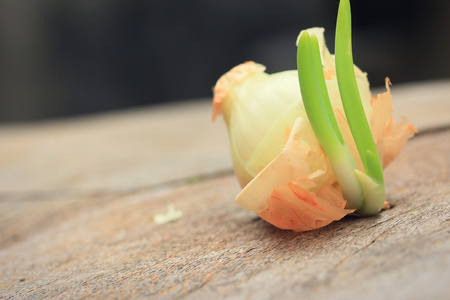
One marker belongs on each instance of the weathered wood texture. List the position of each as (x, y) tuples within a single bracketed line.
[(77, 199)]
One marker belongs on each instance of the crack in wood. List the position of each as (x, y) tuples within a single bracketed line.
[(59, 194)]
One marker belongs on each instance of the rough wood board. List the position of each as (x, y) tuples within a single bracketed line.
[(427, 105), (114, 151), (77, 199), (112, 249)]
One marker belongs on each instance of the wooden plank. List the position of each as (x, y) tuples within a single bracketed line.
[(77, 199), (115, 151), (114, 249), (427, 105)]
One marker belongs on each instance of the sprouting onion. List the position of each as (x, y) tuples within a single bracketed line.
[(363, 191), (301, 146)]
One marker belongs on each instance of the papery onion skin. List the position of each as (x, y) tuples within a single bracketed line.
[(285, 175)]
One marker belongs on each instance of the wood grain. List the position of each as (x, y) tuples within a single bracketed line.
[(77, 199)]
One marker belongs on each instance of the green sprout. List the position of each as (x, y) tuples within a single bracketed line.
[(364, 191)]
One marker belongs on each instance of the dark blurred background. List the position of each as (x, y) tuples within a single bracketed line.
[(61, 58)]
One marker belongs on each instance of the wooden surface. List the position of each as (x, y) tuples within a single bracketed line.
[(78, 196)]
